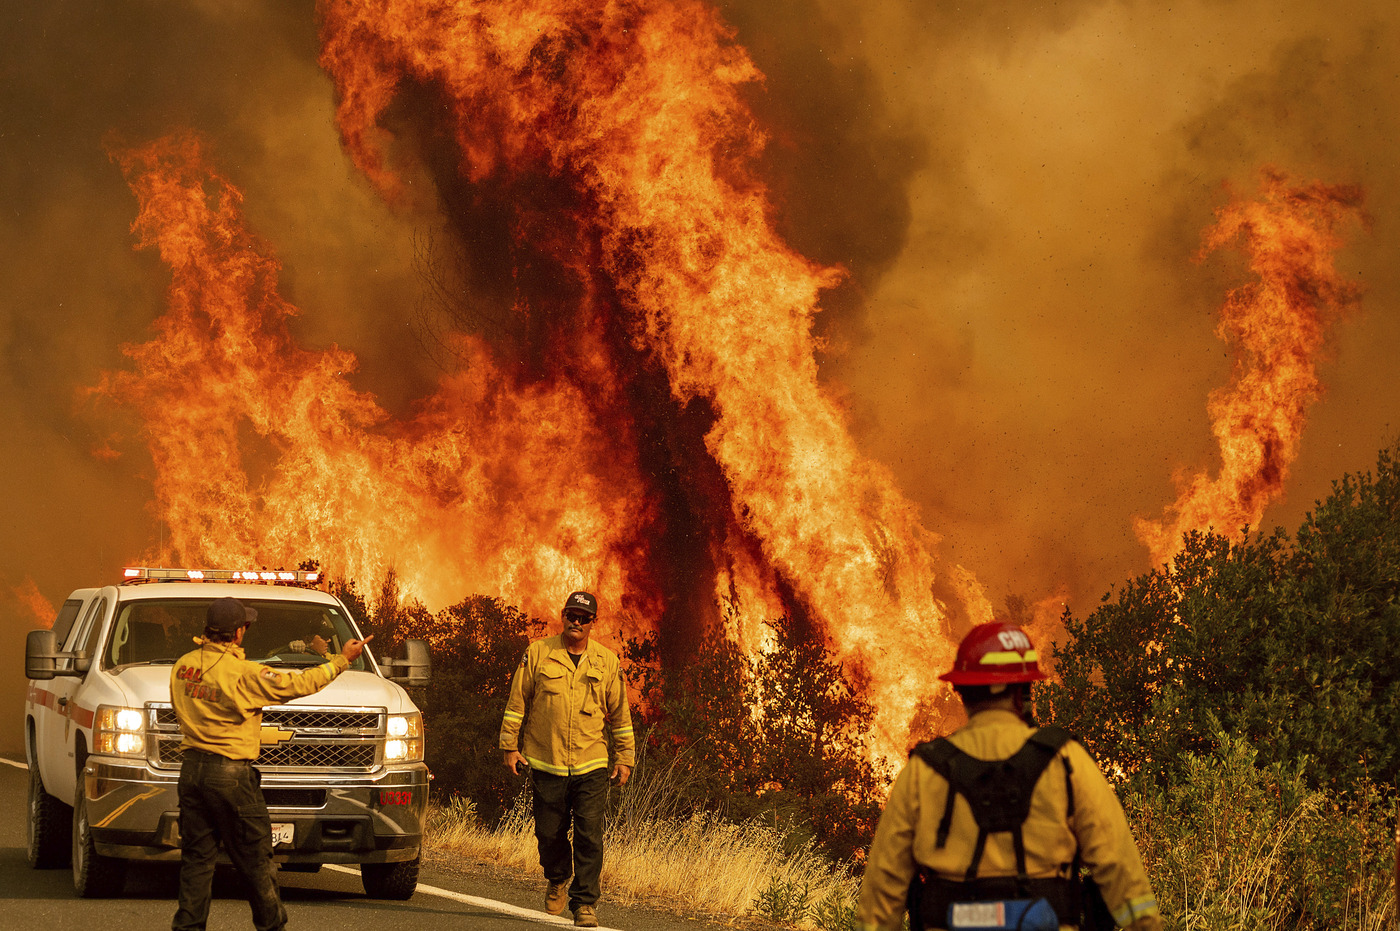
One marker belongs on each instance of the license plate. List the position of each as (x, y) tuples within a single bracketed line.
[(282, 834)]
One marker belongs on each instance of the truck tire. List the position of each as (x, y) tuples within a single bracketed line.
[(50, 823), (390, 880), (94, 876)]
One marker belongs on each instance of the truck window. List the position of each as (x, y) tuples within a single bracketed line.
[(93, 626), (286, 633), (156, 631), (64, 622), (296, 633)]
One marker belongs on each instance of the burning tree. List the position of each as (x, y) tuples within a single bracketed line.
[(636, 409), (644, 418)]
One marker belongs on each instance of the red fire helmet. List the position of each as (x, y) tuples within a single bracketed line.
[(994, 653)]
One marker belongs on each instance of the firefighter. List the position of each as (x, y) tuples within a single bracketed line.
[(218, 697), (989, 826), (565, 689)]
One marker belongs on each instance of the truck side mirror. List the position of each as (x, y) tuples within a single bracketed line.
[(40, 651), (414, 668)]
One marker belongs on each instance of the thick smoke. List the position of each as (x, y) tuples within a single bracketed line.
[(1016, 191), (1038, 359)]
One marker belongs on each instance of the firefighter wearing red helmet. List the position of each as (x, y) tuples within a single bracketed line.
[(989, 827)]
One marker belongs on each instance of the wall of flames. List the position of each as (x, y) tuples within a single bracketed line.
[(659, 435), (647, 420)]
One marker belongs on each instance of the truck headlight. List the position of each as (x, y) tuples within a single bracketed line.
[(118, 731), (405, 741)]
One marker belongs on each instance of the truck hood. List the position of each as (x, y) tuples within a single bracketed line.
[(141, 684)]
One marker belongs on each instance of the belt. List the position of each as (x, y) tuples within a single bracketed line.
[(208, 755)]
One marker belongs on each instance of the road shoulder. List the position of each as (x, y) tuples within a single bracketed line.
[(489, 880)]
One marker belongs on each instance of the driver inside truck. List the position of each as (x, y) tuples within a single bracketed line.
[(319, 640)]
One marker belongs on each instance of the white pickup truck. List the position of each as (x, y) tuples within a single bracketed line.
[(342, 770)]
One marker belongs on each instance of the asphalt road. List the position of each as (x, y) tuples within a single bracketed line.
[(330, 900)]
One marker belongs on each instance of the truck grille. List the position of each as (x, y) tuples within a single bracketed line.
[(347, 739), (294, 798)]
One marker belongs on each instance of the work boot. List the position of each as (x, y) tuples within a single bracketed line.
[(556, 897), (585, 917)]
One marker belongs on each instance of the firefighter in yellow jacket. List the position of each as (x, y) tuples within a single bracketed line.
[(219, 697), (565, 690), (989, 827)]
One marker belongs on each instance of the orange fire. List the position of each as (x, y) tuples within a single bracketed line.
[(687, 462), (1275, 328), (265, 454), (41, 611)]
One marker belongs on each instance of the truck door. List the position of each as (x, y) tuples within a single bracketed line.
[(58, 728)]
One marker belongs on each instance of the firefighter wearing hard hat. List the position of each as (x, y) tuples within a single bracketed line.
[(988, 827)]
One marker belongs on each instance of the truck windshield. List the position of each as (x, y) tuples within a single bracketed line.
[(290, 633)]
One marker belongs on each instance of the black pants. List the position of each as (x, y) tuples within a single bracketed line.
[(221, 801), (582, 800)]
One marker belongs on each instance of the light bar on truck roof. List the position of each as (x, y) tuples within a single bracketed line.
[(150, 574)]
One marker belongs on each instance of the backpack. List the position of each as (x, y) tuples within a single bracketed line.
[(999, 792)]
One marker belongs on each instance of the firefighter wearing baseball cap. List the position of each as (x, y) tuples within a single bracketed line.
[(565, 689), (219, 696), (989, 826)]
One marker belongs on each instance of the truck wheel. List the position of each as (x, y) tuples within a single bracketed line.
[(390, 880), (94, 876), (50, 822)]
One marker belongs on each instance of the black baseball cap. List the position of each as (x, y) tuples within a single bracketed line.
[(582, 601), (228, 614)]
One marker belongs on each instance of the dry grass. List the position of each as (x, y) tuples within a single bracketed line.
[(700, 864), (1230, 851), (658, 856), (1236, 847)]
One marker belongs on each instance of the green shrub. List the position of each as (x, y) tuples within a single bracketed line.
[(783, 901), (1234, 846), (777, 738), (1290, 642)]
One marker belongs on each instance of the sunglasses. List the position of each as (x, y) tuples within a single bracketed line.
[(579, 618)]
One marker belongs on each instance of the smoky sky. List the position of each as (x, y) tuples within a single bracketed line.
[(1016, 190)]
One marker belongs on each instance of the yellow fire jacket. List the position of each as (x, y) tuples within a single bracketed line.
[(562, 709), (219, 696), (908, 829)]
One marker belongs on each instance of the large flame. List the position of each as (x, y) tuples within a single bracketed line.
[(684, 459), (1275, 328), (265, 454)]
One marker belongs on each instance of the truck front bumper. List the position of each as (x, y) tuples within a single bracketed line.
[(377, 817)]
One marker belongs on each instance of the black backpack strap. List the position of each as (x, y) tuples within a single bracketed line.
[(1051, 737), (1058, 737), (998, 791), (939, 754), (1054, 738)]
